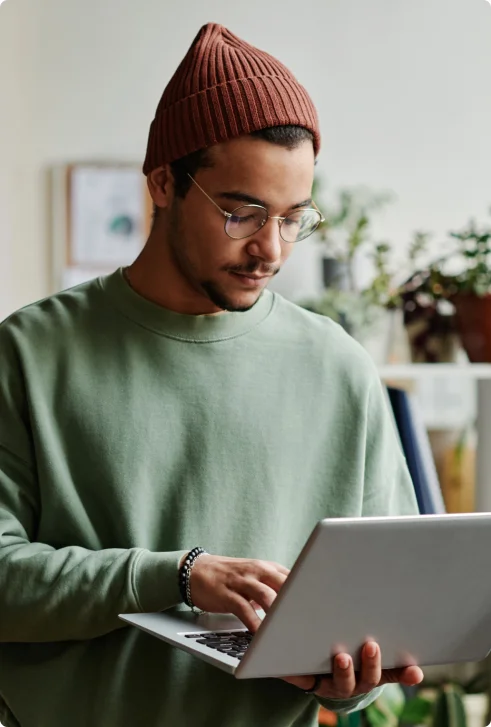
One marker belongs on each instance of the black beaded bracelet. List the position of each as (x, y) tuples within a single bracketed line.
[(185, 575)]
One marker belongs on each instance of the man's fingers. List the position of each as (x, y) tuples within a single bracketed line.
[(220, 584), (244, 611), (260, 593), (271, 576), (343, 676), (409, 676), (281, 569), (302, 682), (345, 683), (371, 667)]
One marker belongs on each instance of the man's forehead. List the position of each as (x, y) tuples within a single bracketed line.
[(270, 180), (248, 144), (258, 159)]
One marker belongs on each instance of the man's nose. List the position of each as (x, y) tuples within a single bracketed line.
[(266, 243)]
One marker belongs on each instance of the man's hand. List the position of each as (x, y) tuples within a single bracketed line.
[(236, 585), (344, 683)]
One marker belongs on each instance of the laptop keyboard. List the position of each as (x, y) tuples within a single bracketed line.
[(233, 643)]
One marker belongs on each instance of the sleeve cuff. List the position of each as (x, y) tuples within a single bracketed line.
[(155, 580), (344, 706)]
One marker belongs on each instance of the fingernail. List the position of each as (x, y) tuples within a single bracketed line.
[(371, 649), (343, 662)]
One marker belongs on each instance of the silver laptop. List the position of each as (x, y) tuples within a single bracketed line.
[(418, 585)]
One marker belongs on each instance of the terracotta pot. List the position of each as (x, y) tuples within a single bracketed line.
[(474, 325)]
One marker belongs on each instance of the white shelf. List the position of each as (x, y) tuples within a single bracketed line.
[(460, 385), (424, 371)]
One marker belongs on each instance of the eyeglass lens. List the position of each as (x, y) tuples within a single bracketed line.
[(247, 220)]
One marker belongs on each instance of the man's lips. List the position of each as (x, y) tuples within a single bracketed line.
[(256, 274), (252, 277), (250, 280)]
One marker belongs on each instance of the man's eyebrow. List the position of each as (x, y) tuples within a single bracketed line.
[(236, 196), (305, 203)]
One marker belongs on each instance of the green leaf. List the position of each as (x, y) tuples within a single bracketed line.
[(449, 708), (416, 711), (349, 720), (385, 710)]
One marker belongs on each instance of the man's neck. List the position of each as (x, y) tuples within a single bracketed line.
[(155, 278)]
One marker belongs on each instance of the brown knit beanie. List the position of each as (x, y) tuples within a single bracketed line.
[(224, 88)]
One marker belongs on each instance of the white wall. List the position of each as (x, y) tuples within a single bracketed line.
[(402, 88)]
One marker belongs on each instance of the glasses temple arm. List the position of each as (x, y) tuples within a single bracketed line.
[(224, 213), (323, 219)]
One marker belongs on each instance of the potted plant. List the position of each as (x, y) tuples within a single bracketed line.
[(348, 241), (429, 318), (345, 232), (470, 291), (450, 298)]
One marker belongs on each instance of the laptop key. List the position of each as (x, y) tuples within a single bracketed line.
[(233, 643)]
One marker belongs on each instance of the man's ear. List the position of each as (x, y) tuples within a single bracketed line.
[(161, 186)]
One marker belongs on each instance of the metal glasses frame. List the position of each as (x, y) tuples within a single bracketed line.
[(228, 215)]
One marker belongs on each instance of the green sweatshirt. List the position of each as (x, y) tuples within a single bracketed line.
[(130, 434)]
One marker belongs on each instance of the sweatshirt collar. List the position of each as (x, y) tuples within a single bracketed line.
[(181, 326)]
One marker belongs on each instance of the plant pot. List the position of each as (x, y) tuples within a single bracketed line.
[(473, 316), (335, 273), (432, 335)]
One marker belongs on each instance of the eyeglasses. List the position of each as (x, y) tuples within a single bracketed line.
[(248, 219)]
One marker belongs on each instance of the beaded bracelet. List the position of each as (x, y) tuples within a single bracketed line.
[(185, 576)]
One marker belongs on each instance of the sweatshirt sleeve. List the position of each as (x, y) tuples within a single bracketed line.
[(388, 490), (69, 593)]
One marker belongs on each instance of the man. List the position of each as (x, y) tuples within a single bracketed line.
[(177, 404)]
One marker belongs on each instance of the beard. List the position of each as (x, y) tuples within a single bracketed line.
[(213, 291), (221, 300)]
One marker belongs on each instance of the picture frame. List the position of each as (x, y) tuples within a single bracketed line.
[(101, 217)]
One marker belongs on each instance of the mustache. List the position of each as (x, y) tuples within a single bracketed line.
[(254, 269)]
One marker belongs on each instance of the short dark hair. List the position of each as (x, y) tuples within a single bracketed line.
[(289, 137)]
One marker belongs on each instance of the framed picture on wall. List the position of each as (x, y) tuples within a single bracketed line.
[(101, 219)]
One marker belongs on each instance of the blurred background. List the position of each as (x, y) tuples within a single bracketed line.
[(402, 262)]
